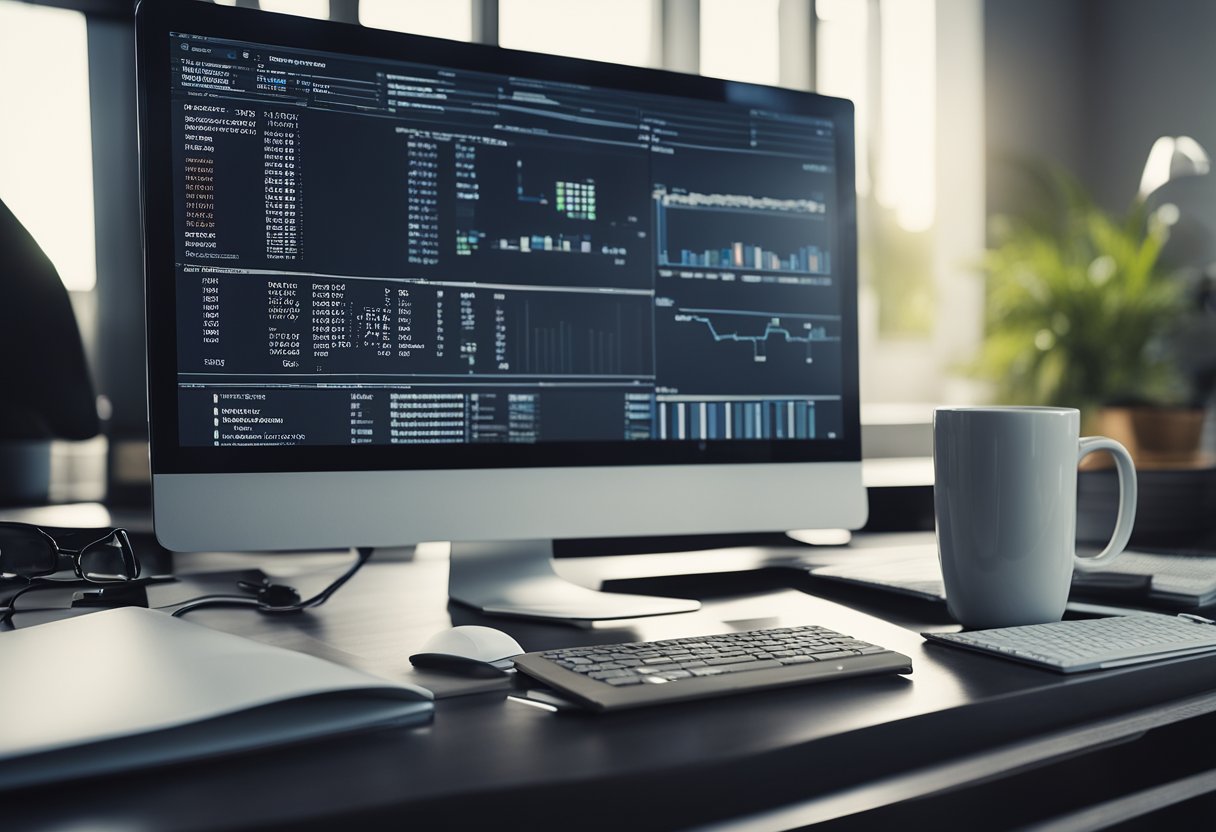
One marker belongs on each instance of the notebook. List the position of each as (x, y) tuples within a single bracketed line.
[(1178, 579), (1181, 579), (908, 570), (133, 687)]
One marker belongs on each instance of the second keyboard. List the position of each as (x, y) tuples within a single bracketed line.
[(613, 676)]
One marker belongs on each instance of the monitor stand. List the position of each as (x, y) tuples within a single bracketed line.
[(516, 578)]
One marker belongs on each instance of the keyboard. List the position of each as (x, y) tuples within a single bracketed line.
[(615, 676), (1092, 644)]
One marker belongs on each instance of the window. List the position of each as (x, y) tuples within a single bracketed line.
[(891, 79), (621, 31), (450, 19), (906, 160), (739, 41), (842, 67), (46, 149), (920, 308)]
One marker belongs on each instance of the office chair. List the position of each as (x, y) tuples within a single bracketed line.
[(45, 388)]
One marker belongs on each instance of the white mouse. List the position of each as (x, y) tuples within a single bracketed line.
[(469, 650)]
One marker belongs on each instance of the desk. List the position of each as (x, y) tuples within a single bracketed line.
[(858, 753)]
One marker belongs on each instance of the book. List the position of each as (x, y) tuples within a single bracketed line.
[(907, 570), (1177, 579), (1183, 579), (132, 687)]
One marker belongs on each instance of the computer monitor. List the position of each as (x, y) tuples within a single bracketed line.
[(404, 289)]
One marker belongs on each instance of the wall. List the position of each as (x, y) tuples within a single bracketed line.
[(1153, 71), (1090, 84), (1035, 92)]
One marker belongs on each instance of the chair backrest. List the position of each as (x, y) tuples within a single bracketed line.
[(45, 387)]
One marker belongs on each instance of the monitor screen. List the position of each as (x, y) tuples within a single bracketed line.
[(555, 263), (402, 288)]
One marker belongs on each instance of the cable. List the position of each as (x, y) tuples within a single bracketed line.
[(275, 599), (6, 613), (43, 583)]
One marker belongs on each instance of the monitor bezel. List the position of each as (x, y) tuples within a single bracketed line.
[(155, 21)]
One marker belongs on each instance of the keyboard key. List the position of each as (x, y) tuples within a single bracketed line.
[(656, 669), (752, 665), (732, 659), (609, 674)]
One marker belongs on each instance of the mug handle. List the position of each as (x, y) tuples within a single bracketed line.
[(1127, 499)]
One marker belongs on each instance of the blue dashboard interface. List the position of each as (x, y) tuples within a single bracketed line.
[(373, 252)]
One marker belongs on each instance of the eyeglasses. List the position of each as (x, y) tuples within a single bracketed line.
[(30, 552)]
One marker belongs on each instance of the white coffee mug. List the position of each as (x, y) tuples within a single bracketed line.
[(1005, 496)]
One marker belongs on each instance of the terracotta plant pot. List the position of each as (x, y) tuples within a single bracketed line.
[(1157, 437)]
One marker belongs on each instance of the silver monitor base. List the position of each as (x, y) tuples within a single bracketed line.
[(516, 578)]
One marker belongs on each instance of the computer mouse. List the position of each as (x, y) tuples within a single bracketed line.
[(468, 650)]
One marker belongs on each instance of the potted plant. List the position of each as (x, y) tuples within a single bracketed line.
[(1080, 312)]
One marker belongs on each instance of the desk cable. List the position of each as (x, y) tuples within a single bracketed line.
[(270, 598)]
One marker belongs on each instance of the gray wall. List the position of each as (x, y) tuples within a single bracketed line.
[(1089, 84), (1035, 92), (1155, 65)]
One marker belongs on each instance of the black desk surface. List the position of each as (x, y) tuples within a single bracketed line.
[(488, 759)]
